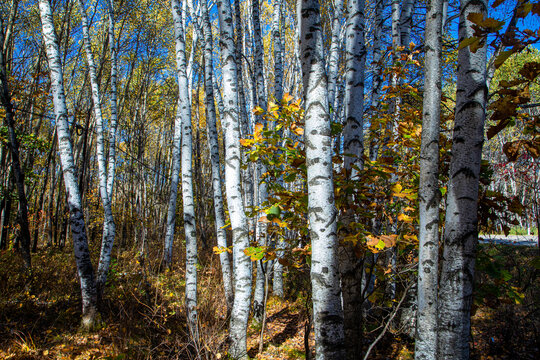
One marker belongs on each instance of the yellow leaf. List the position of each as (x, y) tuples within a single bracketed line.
[(258, 110), (411, 238), (297, 130), (404, 218), (397, 188), (258, 130), (287, 97), (246, 142), (389, 240)]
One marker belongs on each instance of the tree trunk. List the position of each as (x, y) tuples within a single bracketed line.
[(428, 190), (16, 163), (108, 223), (184, 120), (353, 144), (212, 136), (461, 226), (80, 243), (242, 293), (113, 99), (327, 310)]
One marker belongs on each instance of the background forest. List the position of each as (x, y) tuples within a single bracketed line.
[(276, 179)]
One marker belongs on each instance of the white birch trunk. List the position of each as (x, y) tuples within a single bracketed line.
[(261, 231), (461, 226), (183, 120), (353, 147), (80, 243), (242, 293), (333, 63), (113, 124), (212, 136), (405, 22), (278, 60), (428, 191), (108, 223), (327, 310)]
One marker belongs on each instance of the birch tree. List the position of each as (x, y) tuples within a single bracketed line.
[(113, 124), (80, 243), (183, 120), (262, 190), (353, 147), (278, 60), (108, 224), (428, 191), (333, 62), (327, 310), (461, 225), (212, 136), (231, 129)]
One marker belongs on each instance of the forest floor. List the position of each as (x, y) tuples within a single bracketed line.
[(142, 315)]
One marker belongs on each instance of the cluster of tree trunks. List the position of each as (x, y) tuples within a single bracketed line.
[(328, 70)]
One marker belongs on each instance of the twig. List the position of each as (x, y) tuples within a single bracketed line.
[(394, 312)]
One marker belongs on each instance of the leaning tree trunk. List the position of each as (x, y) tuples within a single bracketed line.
[(183, 120), (428, 190), (353, 144), (80, 243), (108, 223), (327, 311), (242, 284), (461, 225), (16, 164)]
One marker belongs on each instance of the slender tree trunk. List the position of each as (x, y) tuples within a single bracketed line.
[(242, 293), (278, 60), (327, 310), (333, 62), (212, 136), (113, 124), (80, 243), (108, 223), (461, 226), (405, 22), (184, 120), (261, 231), (353, 144), (428, 190), (15, 158)]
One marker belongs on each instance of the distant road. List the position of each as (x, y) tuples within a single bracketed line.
[(521, 240)]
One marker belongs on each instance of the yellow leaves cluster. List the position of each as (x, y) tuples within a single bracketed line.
[(398, 191)]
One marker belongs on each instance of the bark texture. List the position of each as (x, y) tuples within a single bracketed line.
[(428, 192), (327, 310), (461, 226), (242, 284), (80, 243), (183, 120)]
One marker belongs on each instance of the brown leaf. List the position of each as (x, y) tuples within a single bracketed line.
[(495, 129), (511, 150), (533, 147)]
